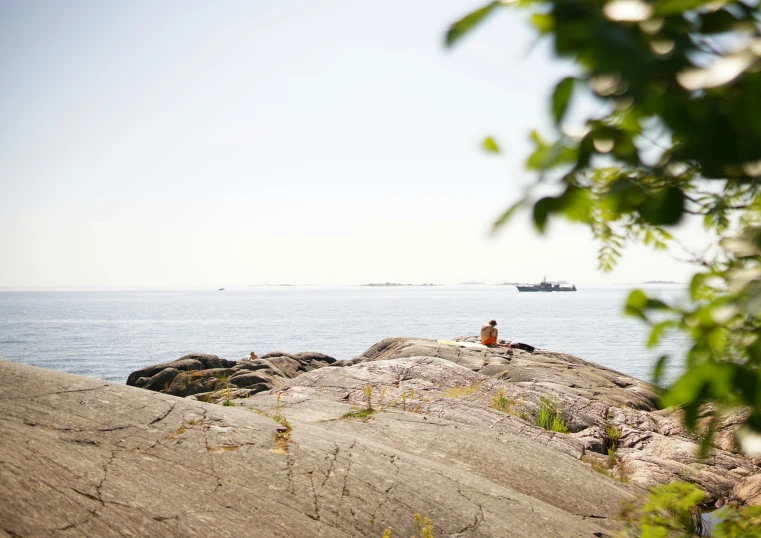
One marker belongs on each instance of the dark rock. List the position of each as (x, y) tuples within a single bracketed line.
[(182, 364), (211, 374), (285, 366), (193, 382), (210, 361), (252, 365), (161, 380), (309, 357), (247, 379)]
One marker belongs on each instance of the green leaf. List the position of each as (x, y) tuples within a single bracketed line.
[(544, 22), (676, 7), (561, 97), (490, 145), (542, 210), (665, 207), (657, 332), (636, 303), (468, 22), (717, 22), (574, 203), (507, 215), (696, 285), (660, 367)]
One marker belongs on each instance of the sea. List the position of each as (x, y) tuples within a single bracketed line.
[(107, 334)]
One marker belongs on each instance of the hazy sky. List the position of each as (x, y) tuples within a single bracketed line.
[(224, 143)]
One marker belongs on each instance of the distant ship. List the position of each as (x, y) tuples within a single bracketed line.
[(546, 286), (221, 289)]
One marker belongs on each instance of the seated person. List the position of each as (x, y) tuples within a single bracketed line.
[(489, 333)]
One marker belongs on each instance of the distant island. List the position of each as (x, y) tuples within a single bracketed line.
[(393, 285), (508, 283), (661, 282), (470, 283)]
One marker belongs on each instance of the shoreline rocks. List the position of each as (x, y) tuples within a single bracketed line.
[(613, 422), (309, 446), (205, 376)]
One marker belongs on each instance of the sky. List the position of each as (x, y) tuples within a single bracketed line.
[(238, 143)]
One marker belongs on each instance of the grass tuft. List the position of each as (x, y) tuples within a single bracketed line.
[(502, 403), (461, 392), (612, 437), (549, 417), (363, 414), (176, 433), (282, 438)]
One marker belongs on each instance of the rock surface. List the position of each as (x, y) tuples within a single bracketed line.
[(442, 429), (603, 409), (207, 376)]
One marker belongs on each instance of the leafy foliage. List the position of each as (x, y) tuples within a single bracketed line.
[(672, 510), (677, 135)]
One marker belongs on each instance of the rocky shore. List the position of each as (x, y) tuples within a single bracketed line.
[(483, 441)]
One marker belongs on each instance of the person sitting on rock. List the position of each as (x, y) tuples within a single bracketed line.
[(251, 357), (489, 334)]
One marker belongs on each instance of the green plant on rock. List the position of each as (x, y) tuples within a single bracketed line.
[(502, 403), (611, 467), (422, 525), (673, 510), (461, 392), (612, 437), (549, 417), (226, 394), (367, 412), (407, 405), (363, 414), (221, 382), (282, 438)]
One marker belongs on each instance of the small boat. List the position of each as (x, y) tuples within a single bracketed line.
[(546, 286), (221, 289)]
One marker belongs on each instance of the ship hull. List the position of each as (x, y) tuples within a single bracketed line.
[(535, 289)]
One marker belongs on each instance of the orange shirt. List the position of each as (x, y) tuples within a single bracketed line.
[(490, 341)]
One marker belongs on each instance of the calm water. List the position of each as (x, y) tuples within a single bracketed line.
[(108, 334)]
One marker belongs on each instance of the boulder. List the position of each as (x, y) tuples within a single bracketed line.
[(161, 380), (204, 374), (563, 373), (210, 361), (182, 364), (194, 382), (246, 379)]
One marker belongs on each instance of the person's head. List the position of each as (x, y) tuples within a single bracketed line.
[(493, 323)]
